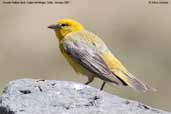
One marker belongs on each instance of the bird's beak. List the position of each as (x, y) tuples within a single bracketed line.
[(54, 26)]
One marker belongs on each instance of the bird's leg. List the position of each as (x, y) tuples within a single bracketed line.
[(102, 86), (90, 79)]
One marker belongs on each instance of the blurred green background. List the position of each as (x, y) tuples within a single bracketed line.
[(138, 33)]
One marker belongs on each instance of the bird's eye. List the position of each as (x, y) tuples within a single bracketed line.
[(64, 25)]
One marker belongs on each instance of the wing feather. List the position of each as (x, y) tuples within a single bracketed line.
[(91, 60), (97, 58)]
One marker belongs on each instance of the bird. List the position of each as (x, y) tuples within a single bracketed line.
[(89, 55)]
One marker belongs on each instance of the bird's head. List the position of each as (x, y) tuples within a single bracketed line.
[(65, 26)]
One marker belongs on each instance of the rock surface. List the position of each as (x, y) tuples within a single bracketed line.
[(29, 96)]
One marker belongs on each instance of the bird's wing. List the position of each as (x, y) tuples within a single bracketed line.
[(91, 52), (86, 56)]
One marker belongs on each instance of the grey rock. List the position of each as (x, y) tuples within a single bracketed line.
[(29, 96)]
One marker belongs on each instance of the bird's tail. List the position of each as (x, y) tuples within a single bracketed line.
[(133, 82)]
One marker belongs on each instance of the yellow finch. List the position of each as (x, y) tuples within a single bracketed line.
[(88, 55)]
